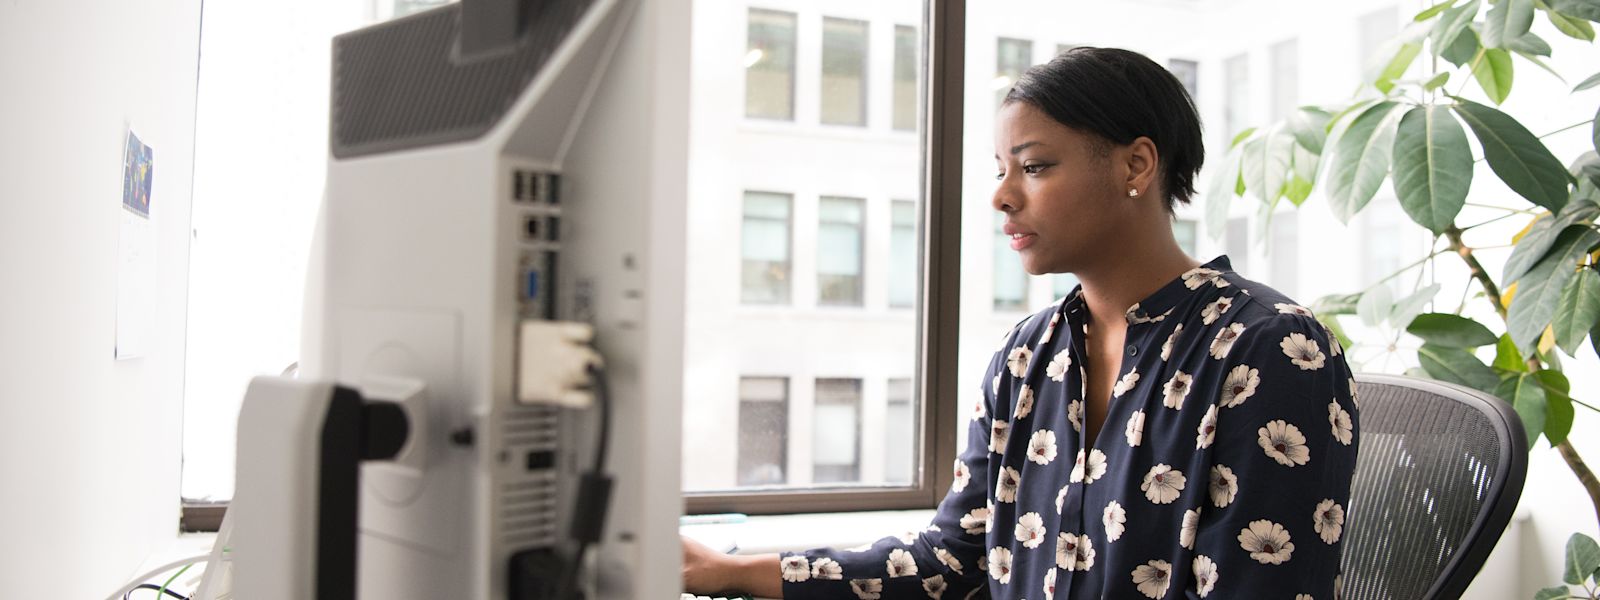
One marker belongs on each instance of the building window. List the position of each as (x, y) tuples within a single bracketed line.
[(763, 430), (769, 66), (1188, 73), (1010, 281), (902, 254), (900, 440), (1285, 77), (836, 434), (765, 245), (1236, 110), (839, 244), (1238, 242), (1186, 232), (1285, 252), (906, 67), (1012, 57), (844, 72)]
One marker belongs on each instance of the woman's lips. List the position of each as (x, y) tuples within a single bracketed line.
[(1022, 240)]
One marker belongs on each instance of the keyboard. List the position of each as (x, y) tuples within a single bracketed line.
[(688, 596)]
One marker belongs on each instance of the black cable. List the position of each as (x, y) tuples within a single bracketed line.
[(596, 487), (152, 586), (603, 396)]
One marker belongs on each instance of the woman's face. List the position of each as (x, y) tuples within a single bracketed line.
[(1064, 201)]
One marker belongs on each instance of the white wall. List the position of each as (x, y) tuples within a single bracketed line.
[(89, 460)]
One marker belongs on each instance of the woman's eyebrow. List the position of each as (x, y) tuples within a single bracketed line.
[(1020, 147)]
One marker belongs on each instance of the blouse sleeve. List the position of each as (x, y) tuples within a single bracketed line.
[(1281, 460), (942, 561)]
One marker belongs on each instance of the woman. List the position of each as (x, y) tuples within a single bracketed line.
[(1168, 430)]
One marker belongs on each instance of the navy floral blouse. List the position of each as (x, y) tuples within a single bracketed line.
[(1222, 470)]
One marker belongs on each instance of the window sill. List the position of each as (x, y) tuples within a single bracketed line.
[(781, 533)]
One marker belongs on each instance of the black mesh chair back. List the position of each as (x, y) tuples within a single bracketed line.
[(1439, 472)]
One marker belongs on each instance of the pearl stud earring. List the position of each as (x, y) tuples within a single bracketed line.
[(1133, 192)]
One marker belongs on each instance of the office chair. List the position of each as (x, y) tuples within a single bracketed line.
[(1439, 472)]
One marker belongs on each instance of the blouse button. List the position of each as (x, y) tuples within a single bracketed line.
[(1133, 350)]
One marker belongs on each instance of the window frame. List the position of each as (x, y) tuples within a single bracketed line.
[(794, 66), (864, 101), (937, 307)]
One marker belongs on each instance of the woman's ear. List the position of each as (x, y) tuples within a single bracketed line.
[(1144, 165)]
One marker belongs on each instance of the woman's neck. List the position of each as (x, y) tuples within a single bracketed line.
[(1120, 279)]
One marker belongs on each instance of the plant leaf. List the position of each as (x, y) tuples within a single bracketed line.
[(1552, 593), (1436, 82), (1409, 307), (1396, 67), (1494, 74), (1219, 195), (1539, 292), (1304, 163), (1558, 412), (1433, 10), (1519, 158), (1331, 321), (1241, 136), (1506, 356), (1309, 125), (1507, 20), (1586, 9), (1583, 557), (1578, 311), (1361, 160), (1375, 305), (1526, 395), (1452, 24), (1462, 51), (1592, 81), (1457, 366), (1450, 331), (1574, 28), (1267, 164), (1530, 43), (1432, 166), (1541, 234), (1541, 64)]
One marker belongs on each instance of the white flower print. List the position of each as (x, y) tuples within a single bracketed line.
[(1066, 550), (1000, 564), (934, 586), (1191, 523), (1135, 429), (1083, 558), (962, 476), (1006, 488), (1162, 484), (1215, 310), (900, 564), (867, 589), (1267, 542), (1030, 530), (1050, 584), (975, 522), (1126, 383), (1177, 389), (983, 563), (1114, 518), (908, 537), (999, 434), (1302, 351), (1061, 498), (1095, 468), (1077, 467), (1352, 387), (1340, 421), (1338, 587), (1207, 432), (1284, 443), (1075, 415), (1292, 309), (1239, 386), (1198, 276), (1334, 347), (826, 568), (988, 521), (1224, 485), (1152, 578), (1166, 348), (948, 559), (796, 568), (1024, 403), (978, 411), (1303, 597), (1057, 369), (1050, 329), (1221, 344), (1205, 575), (862, 548), (1042, 447), (1018, 361), (1328, 520), (994, 384)]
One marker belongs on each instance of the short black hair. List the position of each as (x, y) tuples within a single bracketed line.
[(1119, 95)]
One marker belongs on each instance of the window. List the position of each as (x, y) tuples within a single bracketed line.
[(1012, 57), (1236, 115), (769, 66), (1383, 231), (902, 275), (1238, 241), (844, 72), (765, 246), (839, 251), (905, 78), (406, 7), (763, 430), (1187, 234), (1285, 77), (900, 439), (836, 432), (1188, 73), (1285, 252), (1010, 281)]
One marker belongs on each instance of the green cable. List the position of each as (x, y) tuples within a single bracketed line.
[(162, 593)]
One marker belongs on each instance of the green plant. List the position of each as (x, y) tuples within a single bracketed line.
[(1582, 570), (1414, 134)]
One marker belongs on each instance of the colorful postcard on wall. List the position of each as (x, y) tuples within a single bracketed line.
[(136, 261)]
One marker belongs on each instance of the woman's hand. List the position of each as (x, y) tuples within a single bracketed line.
[(705, 571)]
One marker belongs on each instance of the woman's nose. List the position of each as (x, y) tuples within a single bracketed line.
[(1004, 199)]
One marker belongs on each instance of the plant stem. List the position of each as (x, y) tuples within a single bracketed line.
[(1402, 270), (1478, 273), (1510, 210), (1499, 218), (1572, 126), (1585, 476)]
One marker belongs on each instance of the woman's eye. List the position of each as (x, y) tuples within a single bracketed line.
[(1033, 169), (1000, 176)]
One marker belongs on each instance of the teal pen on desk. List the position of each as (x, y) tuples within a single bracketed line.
[(713, 519)]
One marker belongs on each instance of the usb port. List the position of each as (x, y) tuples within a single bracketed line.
[(530, 227)]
